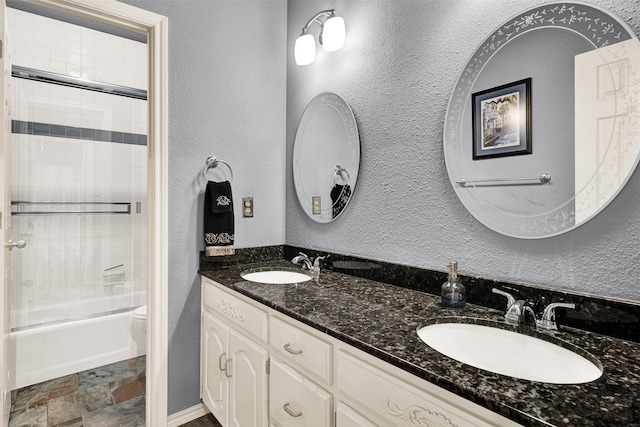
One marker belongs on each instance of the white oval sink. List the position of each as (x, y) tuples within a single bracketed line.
[(276, 277), (509, 353)]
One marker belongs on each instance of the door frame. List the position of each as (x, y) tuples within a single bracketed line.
[(155, 27), (5, 222)]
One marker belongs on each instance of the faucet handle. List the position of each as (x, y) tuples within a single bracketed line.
[(510, 299), (316, 262), (548, 320)]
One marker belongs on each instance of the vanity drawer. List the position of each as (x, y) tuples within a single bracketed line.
[(236, 311), (295, 400), (303, 349), (386, 394), (347, 417)]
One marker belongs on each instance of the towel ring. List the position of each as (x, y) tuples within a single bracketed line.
[(212, 162), (338, 172)]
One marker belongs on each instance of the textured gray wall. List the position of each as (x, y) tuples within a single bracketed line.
[(397, 70), (399, 65), (227, 76)]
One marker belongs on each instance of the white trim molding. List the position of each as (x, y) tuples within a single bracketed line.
[(189, 414), (155, 27)]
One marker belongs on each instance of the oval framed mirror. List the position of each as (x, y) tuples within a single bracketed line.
[(582, 65), (326, 157)]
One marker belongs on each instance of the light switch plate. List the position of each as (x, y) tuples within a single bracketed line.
[(247, 207), (316, 207)]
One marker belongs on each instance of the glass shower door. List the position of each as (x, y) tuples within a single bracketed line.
[(78, 196)]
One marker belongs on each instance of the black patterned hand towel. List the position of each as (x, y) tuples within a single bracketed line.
[(218, 219), (340, 195)]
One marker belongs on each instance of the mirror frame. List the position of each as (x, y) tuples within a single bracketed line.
[(599, 33), (353, 157)]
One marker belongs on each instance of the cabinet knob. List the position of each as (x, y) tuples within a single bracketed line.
[(290, 412), (287, 347)]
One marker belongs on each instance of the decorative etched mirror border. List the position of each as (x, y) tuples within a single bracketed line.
[(348, 166), (601, 30)]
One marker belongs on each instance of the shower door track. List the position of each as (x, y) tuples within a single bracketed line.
[(76, 82)]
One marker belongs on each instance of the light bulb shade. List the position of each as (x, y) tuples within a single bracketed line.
[(305, 49), (333, 34)]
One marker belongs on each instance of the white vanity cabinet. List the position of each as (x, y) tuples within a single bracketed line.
[(234, 366), (347, 417), (392, 397), (295, 400), (313, 380), (302, 347)]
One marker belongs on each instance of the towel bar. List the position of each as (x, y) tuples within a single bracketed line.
[(70, 208), (542, 179), (212, 162)]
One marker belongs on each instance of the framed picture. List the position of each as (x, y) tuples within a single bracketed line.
[(501, 120)]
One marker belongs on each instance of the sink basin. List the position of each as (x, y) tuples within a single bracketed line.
[(276, 277), (509, 353)]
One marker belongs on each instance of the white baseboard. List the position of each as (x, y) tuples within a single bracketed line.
[(189, 414)]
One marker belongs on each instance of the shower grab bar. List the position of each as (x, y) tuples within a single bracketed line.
[(542, 179), (212, 162), (76, 82), (23, 208)]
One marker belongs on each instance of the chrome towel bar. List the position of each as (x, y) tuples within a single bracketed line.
[(542, 179), (70, 208)]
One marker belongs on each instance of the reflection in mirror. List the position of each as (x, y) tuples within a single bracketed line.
[(606, 82), (326, 157), (583, 64)]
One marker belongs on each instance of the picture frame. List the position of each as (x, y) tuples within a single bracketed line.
[(501, 121)]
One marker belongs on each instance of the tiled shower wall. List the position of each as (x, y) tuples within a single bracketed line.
[(76, 145)]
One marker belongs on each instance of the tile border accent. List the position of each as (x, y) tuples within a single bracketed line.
[(72, 132)]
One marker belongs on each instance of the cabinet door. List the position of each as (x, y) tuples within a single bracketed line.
[(347, 417), (248, 388), (214, 360), (296, 401)]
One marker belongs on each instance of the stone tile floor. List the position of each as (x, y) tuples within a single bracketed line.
[(109, 396)]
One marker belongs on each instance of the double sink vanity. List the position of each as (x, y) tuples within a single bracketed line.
[(343, 350), (356, 344)]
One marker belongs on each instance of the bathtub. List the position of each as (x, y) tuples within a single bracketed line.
[(47, 351)]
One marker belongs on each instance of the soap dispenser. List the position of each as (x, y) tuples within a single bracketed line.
[(453, 291)]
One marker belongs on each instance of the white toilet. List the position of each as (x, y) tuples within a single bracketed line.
[(139, 328), (140, 313)]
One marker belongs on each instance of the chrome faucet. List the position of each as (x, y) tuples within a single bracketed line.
[(303, 260), (520, 312), (306, 263), (548, 320)]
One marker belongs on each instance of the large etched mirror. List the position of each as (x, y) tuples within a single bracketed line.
[(580, 106), (326, 157)]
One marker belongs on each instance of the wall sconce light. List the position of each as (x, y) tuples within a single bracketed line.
[(331, 37)]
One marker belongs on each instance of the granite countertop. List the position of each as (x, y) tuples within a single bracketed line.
[(382, 319)]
